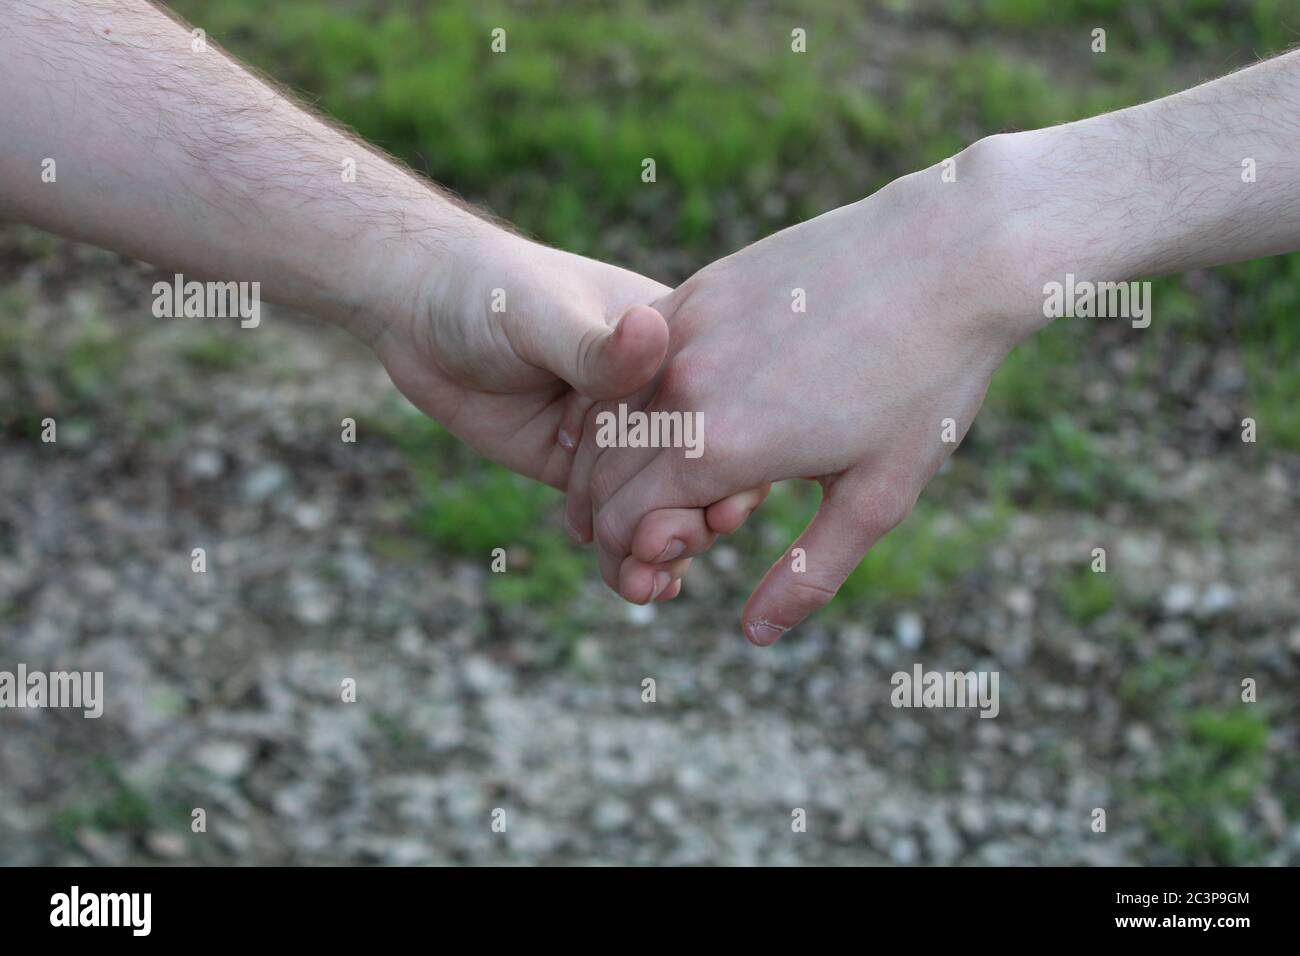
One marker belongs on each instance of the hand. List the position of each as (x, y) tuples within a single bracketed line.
[(517, 383), (912, 303), (495, 345)]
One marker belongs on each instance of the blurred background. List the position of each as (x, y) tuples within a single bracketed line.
[(522, 690)]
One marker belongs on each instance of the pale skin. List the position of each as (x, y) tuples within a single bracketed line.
[(171, 152), (915, 296)]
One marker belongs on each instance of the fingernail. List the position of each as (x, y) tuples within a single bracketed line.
[(672, 549), (764, 633), (566, 440), (572, 531), (662, 580)]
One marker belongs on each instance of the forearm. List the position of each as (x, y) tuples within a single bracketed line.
[(182, 158), (1205, 177)]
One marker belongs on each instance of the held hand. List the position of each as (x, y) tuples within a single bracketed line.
[(509, 352), (907, 295), (495, 348)]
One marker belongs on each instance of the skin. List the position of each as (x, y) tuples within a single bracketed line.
[(915, 296), (180, 157)]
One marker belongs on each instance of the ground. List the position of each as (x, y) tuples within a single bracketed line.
[(523, 691)]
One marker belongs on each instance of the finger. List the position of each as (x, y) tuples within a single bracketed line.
[(669, 481), (726, 516), (671, 533), (684, 532), (663, 536), (576, 406), (579, 491), (674, 589), (641, 584), (577, 494), (610, 568), (846, 526), (604, 362), (592, 481)]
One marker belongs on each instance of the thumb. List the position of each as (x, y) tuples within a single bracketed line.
[(603, 362), (807, 576)]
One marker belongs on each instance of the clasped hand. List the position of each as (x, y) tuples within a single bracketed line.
[(855, 349)]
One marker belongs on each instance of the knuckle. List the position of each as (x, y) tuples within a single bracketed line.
[(885, 509), (608, 534), (725, 443), (590, 419), (604, 481), (685, 378), (679, 298), (812, 595), (586, 349)]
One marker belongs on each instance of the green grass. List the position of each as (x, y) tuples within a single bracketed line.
[(924, 556), (1031, 379), (931, 550), (412, 432), (491, 508), (555, 574), (467, 508), (1085, 595), (1145, 688), (553, 131), (473, 514), (65, 372), (216, 350), (1265, 312), (1197, 803), (1064, 465), (1196, 792), (110, 805)]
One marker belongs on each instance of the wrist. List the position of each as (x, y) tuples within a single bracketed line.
[(423, 274), (1028, 215), (971, 225), (1064, 214)]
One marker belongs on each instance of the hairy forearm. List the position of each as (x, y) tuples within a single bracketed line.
[(1201, 178), (182, 158)]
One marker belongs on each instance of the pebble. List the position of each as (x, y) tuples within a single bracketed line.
[(264, 481), (664, 811), (313, 604), (481, 675), (309, 517), (166, 845), (904, 851), (205, 464), (640, 614), (909, 630), (1020, 601), (724, 557), (1218, 597), (1180, 598), (224, 759), (973, 819), (611, 814)]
